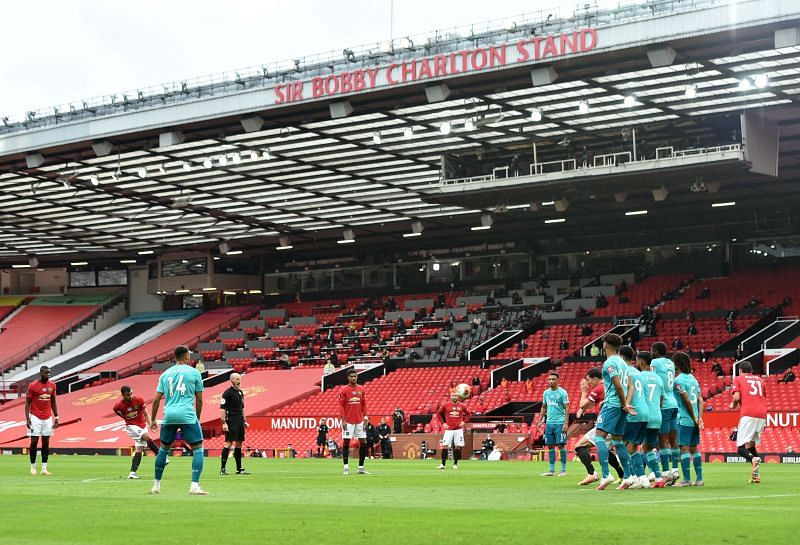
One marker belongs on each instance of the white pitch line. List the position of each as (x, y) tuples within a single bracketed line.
[(716, 498), (101, 480)]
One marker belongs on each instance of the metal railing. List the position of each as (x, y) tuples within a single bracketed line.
[(552, 21), (598, 161), (56, 334)]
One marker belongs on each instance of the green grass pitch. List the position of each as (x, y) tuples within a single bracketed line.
[(90, 500)]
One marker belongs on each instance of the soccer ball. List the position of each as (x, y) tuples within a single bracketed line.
[(463, 391)]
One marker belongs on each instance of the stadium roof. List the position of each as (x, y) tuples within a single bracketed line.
[(196, 165)]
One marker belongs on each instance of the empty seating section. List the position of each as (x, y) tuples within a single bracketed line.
[(37, 325), (711, 332), (198, 330), (769, 287), (546, 343), (8, 305), (647, 292)]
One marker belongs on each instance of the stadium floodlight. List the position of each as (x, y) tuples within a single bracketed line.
[(691, 91), (376, 138), (236, 157), (222, 160), (723, 204), (187, 166), (234, 252), (387, 47), (284, 244), (20, 266), (145, 252), (445, 127), (141, 172), (745, 84), (583, 107), (536, 115), (78, 263), (548, 203), (469, 124), (629, 101), (761, 80), (408, 132), (510, 25), (95, 180), (127, 261), (636, 213), (348, 237), (555, 220), (266, 155)]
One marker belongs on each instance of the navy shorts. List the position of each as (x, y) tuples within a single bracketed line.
[(554, 434), (688, 436), (192, 434), (669, 420), (651, 437), (612, 420), (635, 432)]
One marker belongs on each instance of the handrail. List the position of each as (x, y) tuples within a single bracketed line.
[(49, 339)]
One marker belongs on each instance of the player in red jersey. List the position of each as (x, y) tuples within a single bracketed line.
[(131, 409), (592, 395), (750, 394), (353, 405), (41, 416), (454, 416)]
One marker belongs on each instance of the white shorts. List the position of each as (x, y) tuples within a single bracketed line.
[(40, 427), (453, 438), (353, 430), (135, 433), (750, 430), (590, 436)]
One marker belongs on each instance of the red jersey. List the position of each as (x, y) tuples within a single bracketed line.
[(131, 412), (352, 401), (596, 395), (454, 414), (752, 395), (39, 394)]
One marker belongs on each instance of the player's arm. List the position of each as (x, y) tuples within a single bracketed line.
[(565, 402), (688, 404), (148, 420), (466, 415), (154, 410), (701, 407), (584, 404), (198, 404), (54, 406), (28, 411), (617, 383), (364, 407), (542, 414), (737, 398)]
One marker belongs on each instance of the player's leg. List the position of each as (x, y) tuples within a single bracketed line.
[(447, 440), (684, 440), (697, 462), (193, 435), (347, 434), (602, 452), (361, 435), (562, 454), (150, 443), (167, 437), (32, 451), (585, 456), (458, 444), (673, 440), (45, 453)]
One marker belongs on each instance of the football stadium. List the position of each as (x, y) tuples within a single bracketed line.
[(534, 279)]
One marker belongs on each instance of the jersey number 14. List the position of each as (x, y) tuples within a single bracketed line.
[(180, 387)]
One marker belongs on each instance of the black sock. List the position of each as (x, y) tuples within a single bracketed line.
[(456, 456), (345, 451), (32, 449), (444, 455), (224, 457), (613, 461), (152, 446), (45, 449), (237, 455), (362, 454), (586, 459), (137, 459), (745, 453), (754, 452)]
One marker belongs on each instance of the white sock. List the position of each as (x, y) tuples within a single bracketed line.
[(33, 467), (347, 466), (44, 466), (156, 483), (194, 486), (360, 468)]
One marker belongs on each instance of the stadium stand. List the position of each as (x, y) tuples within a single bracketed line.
[(649, 291)]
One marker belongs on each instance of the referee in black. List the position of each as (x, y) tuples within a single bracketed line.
[(233, 424)]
